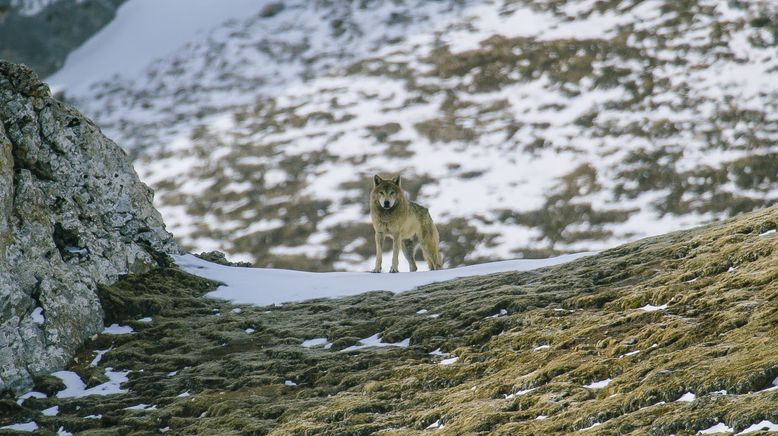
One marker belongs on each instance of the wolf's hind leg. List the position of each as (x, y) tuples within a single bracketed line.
[(409, 249)]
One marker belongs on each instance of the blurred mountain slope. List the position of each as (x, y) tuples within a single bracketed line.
[(41, 33), (528, 127)]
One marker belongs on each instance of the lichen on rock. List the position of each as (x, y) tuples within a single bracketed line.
[(73, 215)]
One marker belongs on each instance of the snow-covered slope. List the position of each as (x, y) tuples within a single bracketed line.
[(143, 31), (528, 127), (265, 287)]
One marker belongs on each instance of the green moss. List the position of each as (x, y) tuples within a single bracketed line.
[(48, 384), (150, 294), (12, 413), (219, 258)]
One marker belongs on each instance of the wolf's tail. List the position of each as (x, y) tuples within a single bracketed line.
[(430, 241)]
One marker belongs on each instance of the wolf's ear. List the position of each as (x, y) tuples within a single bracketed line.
[(377, 179), (396, 180)]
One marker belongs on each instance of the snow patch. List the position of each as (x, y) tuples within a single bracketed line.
[(266, 286), (599, 384), (99, 356), (142, 406), (449, 361), (519, 393), (502, 312), (591, 426), (26, 426), (435, 425), (764, 425), (37, 316), (718, 428), (317, 342), (76, 388), (652, 308), (116, 329), (687, 397), (375, 341), (29, 394)]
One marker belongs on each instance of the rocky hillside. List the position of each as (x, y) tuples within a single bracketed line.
[(73, 216), (528, 127), (51, 29), (668, 335)]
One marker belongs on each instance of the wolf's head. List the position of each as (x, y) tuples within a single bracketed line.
[(386, 192)]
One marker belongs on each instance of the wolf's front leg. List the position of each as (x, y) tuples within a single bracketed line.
[(409, 249), (396, 243), (379, 251)]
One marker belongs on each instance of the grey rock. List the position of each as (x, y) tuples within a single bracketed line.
[(73, 216)]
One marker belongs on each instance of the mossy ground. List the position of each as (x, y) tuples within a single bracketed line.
[(719, 332)]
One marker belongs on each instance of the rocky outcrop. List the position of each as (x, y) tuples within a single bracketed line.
[(73, 216)]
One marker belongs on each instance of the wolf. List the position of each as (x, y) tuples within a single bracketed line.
[(407, 223)]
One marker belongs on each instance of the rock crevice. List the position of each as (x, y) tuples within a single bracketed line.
[(73, 215)]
